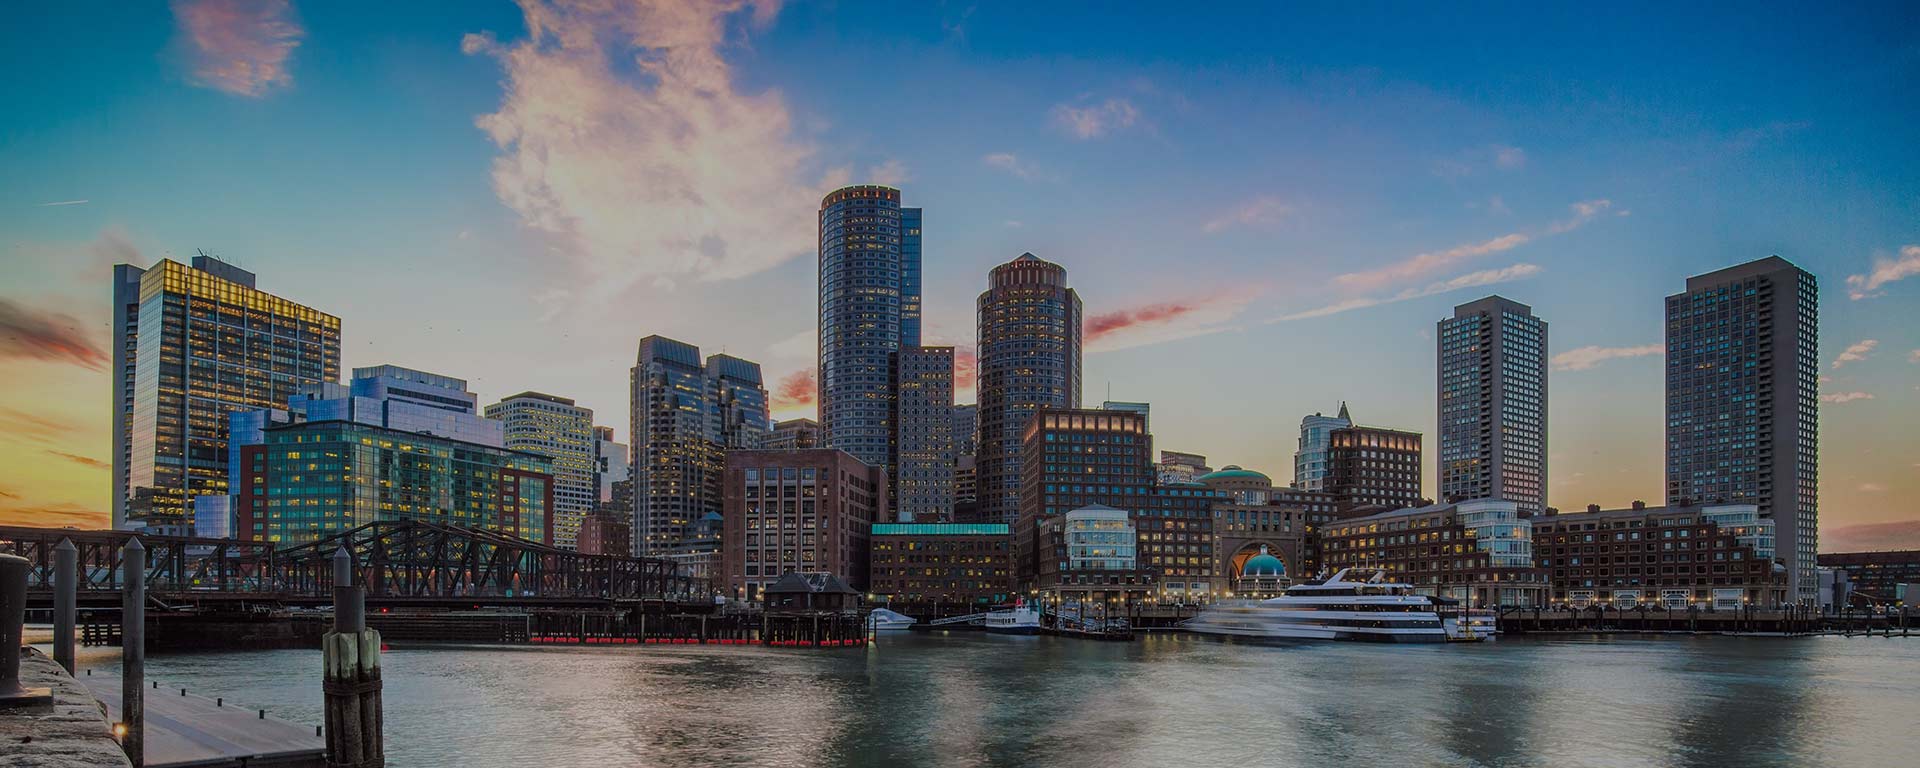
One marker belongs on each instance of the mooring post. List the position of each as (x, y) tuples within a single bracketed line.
[(66, 574), (351, 660), (13, 618), (133, 650)]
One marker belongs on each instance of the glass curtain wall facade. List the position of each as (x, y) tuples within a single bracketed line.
[(685, 416), (1029, 357), (1493, 403), (318, 478), (562, 431), (194, 345), (869, 310), (1743, 402), (1310, 459)]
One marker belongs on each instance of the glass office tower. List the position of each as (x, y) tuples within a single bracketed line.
[(194, 344), (1493, 404), (562, 431), (1743, 402), (685, 416)]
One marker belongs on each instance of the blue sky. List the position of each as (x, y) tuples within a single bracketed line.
[(483, 201)]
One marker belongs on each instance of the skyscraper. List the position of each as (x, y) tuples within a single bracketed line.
[(193, 344), (612, 465), (685, 416), (869, 309), (556, 428), (924, 441), (1310, 459), (1743, 402), (1029, 357), (1493, 404)]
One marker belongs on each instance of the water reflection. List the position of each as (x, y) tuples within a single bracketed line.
[(975, 701)]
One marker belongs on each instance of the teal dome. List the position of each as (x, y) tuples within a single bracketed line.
[(1234, 472), (1263, 564)]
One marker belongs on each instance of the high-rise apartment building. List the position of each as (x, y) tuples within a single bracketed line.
[(192, 345), (1493, 404), (685, 416), (1374, 467), (966, 429), (923, 476), (557, 428), (1310, 458), (1029, 354), (1743, 402), (869, 310)]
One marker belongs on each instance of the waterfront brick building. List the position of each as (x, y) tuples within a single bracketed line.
[(1374, 467), (605, 533), (1250, 513), (1480, 551), (801, 510), (1073, 458), (1720, 556), (942, 569), (1877, 576)]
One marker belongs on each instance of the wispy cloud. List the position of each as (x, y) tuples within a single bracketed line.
[(1479, 279), (667, 173), (1508, 158), (1162, 321), (239, 46), (1884, 271), (1011, 163), (891, 173), (795, 390), (1914, 356), (85, 461), (1092, 121), (1264, 210), (1477, 160), (22, 426), (1586, 358), (1423, 265), (1872, 488), (64, 202), (1845, 397), (1869, 537), (56, 515), (38, 334), (1856, 353)]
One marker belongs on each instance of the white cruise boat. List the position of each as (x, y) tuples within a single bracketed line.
[(1021, 619), (1338, 608), (882, 620)]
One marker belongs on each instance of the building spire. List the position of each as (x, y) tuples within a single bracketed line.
[(1343, 411)]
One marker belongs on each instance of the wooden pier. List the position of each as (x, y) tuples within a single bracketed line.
[(191, 730)]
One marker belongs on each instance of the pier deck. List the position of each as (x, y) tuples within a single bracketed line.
[(196, 731)]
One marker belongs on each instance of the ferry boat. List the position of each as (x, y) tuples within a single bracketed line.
[(1343, 607), (1021, 619), (882, 620)]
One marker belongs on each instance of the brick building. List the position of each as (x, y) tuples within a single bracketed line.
[(1720, 556), (942, 569), (1480, 551), (800, 510)]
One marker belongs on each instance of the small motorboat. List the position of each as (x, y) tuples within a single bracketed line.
[(883, 620)]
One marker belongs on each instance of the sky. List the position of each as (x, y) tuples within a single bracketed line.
[(1264, 207)]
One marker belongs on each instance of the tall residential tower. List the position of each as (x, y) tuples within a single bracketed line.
[(869, 310), (1493, 404), (686, 415), (1029, 357), (1743, 402)]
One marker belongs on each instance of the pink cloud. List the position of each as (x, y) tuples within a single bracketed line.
[(1871, 537), (239, 46), (37, 334), (1884, 271), (795, 390), (1095, 120), (1163, 321)]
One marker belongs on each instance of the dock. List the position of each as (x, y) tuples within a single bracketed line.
[(195, 731)]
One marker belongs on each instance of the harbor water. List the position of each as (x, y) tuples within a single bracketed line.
[(970, 699)]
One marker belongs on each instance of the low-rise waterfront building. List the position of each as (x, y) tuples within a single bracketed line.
[(797, 511), (1480, 551), (1251, 516), (313, 479), (1878, 577), (941, 569), (1719, 556)]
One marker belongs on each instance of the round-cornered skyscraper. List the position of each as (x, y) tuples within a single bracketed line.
[(1029, 357), (866, 303)]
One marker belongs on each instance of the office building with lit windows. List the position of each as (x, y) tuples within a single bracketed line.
[(942, 569), (923, 435), (1029, 357), (1310, 458), (1374, 467), (1743, 402), (557, 428), (1718, 557), (791, 434), (192, 345), (312, 479), (869, 310), (1479, 551), (685, 415), (797, 511), (1493, 404)]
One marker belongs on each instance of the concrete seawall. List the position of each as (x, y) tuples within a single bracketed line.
[(72, 733)]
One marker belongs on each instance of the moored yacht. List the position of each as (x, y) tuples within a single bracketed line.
[(1344, 607), (1019, 619), (882, 619)]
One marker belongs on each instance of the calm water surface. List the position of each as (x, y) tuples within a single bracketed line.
[(966, 699)]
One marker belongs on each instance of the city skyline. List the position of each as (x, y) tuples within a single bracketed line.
[(1338, 237)]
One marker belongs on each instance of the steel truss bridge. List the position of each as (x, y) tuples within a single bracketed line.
[(399, 562)]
